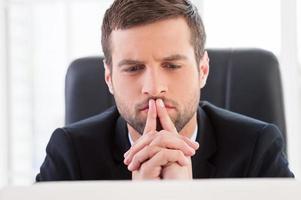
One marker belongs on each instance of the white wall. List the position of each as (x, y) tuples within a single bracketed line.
[(3, 95), (290, 69)]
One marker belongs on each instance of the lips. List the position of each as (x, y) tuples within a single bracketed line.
[(144, 108), (167, 106)]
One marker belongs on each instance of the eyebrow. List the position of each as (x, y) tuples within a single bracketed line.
[(174, 57), (165, 59), (129, 62)]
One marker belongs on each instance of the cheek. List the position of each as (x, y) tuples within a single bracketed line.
[(186, 89), (124, 87), (187, 81)]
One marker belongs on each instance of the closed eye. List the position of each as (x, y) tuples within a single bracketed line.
[(171, 66), (134, 68)]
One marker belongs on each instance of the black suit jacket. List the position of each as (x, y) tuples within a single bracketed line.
[(231, 145)]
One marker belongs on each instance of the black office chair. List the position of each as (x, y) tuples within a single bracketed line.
[(246, 81)]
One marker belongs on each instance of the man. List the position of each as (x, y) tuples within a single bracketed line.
[(155, 66)]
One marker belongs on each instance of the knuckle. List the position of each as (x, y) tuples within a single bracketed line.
[(180, 154), (164, 154), (144, 169), (184, 145), (151, 132), (151, 137), (147, 136), (147, 148), (151, 151), (161, 139), (143, 173), (135, 159), (133, 149), (156, 140)]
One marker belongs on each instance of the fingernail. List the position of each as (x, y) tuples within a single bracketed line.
[(192, 151), (126, 154), (130, 167), (197, 145), (149, 103), (161, 103)]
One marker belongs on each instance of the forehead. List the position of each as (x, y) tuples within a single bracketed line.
[(162, 38)]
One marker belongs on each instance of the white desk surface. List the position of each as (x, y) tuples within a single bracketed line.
[(210, 189)]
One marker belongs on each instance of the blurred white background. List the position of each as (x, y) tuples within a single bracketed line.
[(39, 38)]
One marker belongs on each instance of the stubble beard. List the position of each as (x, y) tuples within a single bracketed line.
[(138, 122)]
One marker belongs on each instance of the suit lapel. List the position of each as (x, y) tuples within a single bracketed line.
[(121, 145), (201, 165)]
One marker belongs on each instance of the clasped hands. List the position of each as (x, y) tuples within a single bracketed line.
[(161, 154)]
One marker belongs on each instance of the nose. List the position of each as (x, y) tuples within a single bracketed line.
[(154, 83)]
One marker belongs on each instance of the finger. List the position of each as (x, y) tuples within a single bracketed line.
[(150, 126), (138, 145), (151, 121), (143, 155), (194, 144), (163, 139), (168, 140), (151, 174), (164, 157), (165, 120)]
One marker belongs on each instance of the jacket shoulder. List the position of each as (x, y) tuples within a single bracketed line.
[(237, 129), (104, 123), (225, 118), (74, 150), (254, 145)]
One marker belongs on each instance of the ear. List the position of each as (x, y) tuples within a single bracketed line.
[(108, 76), (204, 69)]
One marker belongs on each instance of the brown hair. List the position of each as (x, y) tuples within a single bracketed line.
[(124, 14)]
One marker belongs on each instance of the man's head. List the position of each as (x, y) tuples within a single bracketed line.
[(124, 14), (154, 49)]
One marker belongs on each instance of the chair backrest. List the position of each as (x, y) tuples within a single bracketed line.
[(246, 81)]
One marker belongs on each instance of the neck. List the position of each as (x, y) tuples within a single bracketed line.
[(190, 127), (187, 130)]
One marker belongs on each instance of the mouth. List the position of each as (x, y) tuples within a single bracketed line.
[(145, 108), (169, 107)]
